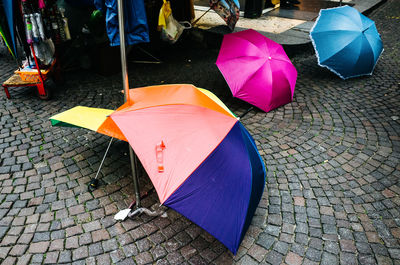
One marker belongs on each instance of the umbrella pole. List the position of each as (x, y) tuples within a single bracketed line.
[(125, 82)]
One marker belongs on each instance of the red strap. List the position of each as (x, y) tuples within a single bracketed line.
[(160, 156)]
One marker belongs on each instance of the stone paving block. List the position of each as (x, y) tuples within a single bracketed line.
[(18, 250), (40, 247), (143, 258), (24, 260), (9, 240), (25, 238), (394, 253), (80, 253), (266, 241), (384, 260), (274, 257), (72, 242), (348, 258), (332, 159), (4, 252), (130, 250), (51, 257), (9, 261), (293, 259)]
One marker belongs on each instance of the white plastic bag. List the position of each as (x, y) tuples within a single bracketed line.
[(171, 29)]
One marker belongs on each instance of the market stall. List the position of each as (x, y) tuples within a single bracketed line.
[(32, 29)]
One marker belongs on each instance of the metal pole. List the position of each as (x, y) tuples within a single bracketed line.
[(125, 83)]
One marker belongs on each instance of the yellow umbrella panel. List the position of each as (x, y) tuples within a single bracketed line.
[(95, 119)]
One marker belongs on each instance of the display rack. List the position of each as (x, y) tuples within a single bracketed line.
[(21, 78)]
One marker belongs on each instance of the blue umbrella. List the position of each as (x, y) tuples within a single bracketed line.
[(346, 42)]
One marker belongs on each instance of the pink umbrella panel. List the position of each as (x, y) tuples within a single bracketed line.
[(257, 69)]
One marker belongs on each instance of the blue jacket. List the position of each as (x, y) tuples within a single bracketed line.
[(136, 29)]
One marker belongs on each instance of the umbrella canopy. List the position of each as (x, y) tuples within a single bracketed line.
[(5, 35), (228, 10), (201, 160), (346, 42), (8, 6), (95, 119), (257, 69)]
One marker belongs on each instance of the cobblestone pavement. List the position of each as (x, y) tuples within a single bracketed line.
[(332, 156)]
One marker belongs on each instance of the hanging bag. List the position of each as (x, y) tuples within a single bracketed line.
[(170, 28)]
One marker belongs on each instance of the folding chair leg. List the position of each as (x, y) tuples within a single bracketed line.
[(41, 90), (7, 93)]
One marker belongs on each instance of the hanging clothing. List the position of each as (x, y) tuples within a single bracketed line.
[(136, 28)]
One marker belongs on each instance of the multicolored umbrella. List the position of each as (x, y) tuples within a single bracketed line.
[(257, 69), (201, 160), (228, 10), (346, 42)]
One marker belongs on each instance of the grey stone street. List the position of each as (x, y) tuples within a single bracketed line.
[(332, 156)]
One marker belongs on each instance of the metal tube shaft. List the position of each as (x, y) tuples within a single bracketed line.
[(125, 83)]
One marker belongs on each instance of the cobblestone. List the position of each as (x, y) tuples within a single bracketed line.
[(332, 156)]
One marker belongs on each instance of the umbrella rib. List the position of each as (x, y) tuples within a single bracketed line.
[(154, 106), (194, 170), (373, 51), (338, 50), (282, 60), (248, 41), (243, 56), (368, 47), (340, 30), (254, 73), (347, 18)]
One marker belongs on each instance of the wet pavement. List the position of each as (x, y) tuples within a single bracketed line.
[(332, 158), (287, 25)]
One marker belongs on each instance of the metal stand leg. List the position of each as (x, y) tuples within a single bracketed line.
[(134, 168), (94, 183)]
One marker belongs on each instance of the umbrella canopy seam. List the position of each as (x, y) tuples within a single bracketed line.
[(242, 38), (346, 17), (216, 146), (172, 104), (341, 49)]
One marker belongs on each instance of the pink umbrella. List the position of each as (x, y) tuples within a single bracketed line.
[(257, 69)]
